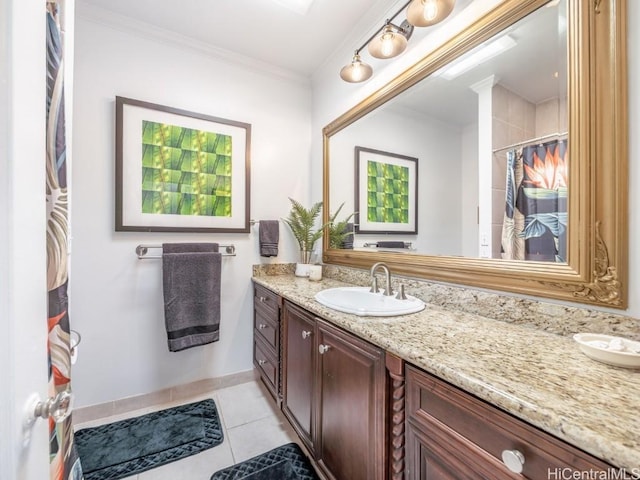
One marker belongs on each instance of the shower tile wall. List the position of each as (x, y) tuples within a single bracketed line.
[(551, 117), (515, 119)]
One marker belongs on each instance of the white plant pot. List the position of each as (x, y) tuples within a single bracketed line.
[(302, 269)]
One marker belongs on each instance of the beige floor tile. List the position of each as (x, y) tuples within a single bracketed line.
[(243, 404), (254, 438)]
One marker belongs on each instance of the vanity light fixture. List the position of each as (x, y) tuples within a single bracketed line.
[(424, 13), (391, 40), (356, 71)]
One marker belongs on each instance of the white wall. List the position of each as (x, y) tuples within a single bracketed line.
[(116, 299), (436, 145), (332, 97), (470, 190)]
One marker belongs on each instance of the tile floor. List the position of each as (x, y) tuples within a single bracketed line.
[(251, 422)]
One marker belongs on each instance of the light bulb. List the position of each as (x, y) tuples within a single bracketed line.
[(387, 44), (356, 71), (430, 9)]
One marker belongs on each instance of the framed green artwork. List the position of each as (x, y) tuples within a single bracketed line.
[(180, 171), (386, 186)]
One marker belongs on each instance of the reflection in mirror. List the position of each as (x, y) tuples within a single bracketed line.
[(489, 131), (463, 197)]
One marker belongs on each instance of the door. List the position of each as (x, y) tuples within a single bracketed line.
[(24, 446), (23, 294), (298, 372), (351, 424)]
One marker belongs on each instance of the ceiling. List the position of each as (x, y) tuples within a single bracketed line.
[(277, 32)]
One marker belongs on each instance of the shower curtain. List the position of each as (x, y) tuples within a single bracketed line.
[(535, 218), (64, 462)]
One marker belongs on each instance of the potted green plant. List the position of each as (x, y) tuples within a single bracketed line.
[(338, 232), (301, 221)]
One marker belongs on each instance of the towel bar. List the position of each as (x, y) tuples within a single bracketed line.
[(143, 250)]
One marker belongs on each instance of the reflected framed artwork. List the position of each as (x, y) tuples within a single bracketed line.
[(180, 171), (386, 187)]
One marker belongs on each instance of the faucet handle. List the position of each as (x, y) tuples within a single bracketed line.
[(374, 285), (400, 295)]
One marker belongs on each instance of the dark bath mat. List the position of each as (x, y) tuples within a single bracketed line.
[(134, 445), (287, 462)]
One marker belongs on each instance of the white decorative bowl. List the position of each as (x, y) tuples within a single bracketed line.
[(608, 349)]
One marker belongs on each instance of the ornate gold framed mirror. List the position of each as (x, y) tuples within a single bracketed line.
[(589, 263)]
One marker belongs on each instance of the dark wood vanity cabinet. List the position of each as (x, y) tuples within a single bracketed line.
[(452, 435), (266, 338), (364, 414), (334, 394)]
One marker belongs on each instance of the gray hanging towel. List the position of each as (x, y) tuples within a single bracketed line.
[(269, 235), (348, 239), (391, 244), (191, 288)]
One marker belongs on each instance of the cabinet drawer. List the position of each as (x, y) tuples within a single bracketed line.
[(436, 454), (266, 328), (267, 365), (267, 299), (432, 401)]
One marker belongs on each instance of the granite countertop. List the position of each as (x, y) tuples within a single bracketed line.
[(540, 377)]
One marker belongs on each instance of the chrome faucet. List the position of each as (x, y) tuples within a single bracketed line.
[(374, 280)]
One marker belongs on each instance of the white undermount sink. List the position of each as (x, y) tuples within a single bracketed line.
[(360, 301)]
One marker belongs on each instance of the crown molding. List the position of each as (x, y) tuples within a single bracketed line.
[(151, 32)]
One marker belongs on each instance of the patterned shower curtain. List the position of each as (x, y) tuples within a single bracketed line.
[(64, 462), (535, 218)]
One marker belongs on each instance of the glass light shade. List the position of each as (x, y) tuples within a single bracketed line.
[(424, 13), (388, 44), (356, 71)]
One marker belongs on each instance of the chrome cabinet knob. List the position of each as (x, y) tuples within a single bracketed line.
[(263, 299), (262, 362), (305, 334), (514, 460), (322, 349), (262, 326)]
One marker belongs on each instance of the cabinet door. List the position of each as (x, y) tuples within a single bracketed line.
[(351, 413), (298, 371)]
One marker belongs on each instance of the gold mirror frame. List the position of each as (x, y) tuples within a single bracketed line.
[(597, 270)]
